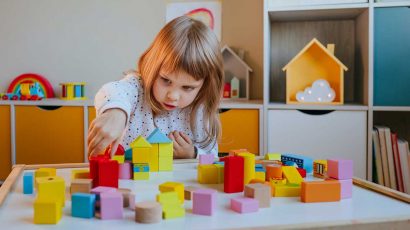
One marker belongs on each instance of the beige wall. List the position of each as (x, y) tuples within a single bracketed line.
[(95, 40)]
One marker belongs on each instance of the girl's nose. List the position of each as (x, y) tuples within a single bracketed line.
[(173, 95)]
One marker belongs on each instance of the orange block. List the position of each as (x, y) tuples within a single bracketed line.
[(320, 191), (273, 171)]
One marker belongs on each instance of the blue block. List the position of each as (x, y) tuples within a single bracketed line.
[(157, 137), (141, 168), (83, 205), (259, 168), (219, 163), (301, 161), (77, 91), (128, 155), (28, 181)]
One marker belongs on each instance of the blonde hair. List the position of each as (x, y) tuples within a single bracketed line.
[(189, 45)]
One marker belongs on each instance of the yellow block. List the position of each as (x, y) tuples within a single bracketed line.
[(119, 158), (165, 163), (173, 187), (174, 212), (154, 159), (249, 167), (51, 188), (280, 190), (141, 176), (292, 175), (141, 155), (166, 149), (208, 174), (80, 174), (47, 211), (168, 198), (260, 175), (278, 181), (221, 174), (273, 156), (43, 172)]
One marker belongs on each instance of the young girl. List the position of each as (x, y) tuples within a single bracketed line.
[(177, 89)]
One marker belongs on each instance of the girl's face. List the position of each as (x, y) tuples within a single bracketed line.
[(176, 90)]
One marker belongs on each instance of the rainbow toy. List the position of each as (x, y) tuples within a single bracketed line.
[(29, 86), (73, 91)]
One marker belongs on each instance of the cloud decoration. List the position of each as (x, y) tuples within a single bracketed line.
[(320, 92)]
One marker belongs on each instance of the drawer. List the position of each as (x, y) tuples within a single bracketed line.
[(320, 135), (49, 134), (240, 129), (5, 142)]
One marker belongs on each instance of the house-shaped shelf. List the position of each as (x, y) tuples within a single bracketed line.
[(314, 62), (234, 66)]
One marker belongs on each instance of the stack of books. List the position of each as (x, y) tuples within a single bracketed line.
[(391, 160)]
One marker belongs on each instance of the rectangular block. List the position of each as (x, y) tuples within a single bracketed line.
[(108, 173), (260, 192), (83, 205), (173, 187), (28, 182), (320, 191), (292, 175), (340, 169), (204, 202), (301, 161), (165, 163), (125, 170), (188, 190), (166, 149), (206, 159), (111, 206), (208, 174), (81, 186), (141, 176), (141, 167), (234, 174), (119, 158), (47, 211), (346, 188), (51, 188), (285, 190), (80, 174), (244, 205)]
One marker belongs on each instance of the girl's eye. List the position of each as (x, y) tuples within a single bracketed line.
[(188, 88), (165, 80)]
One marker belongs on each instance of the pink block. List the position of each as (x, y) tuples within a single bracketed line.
[(102, 189), (206, 159), (125, 170), (204, 201), (346, 187), (111, 205), (244, 205), (131, 198), (340, 169)]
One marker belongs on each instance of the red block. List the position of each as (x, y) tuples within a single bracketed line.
[(233, 174), (120, 151), (108, 173), (94, 172), (302, 172)]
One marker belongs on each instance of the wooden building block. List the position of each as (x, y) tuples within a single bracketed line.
[(320, 168), (81, 186), (80, 174), (165, 163), (83, 205), (206, 159), (257, 181), (125, 170), (320, 191), (260, 176), (47, 211), (346, 188), (168, 198), (51, 188), (141, 176), (340, 169), (234, 174), (292, 175), (141, 167), (273, 156), (173, 186), (221, 169), (171, 213), (188, 192), (111, 205), (171, 205), (204, 202), (166, 149), (108, 173), (125, 192), (131, 198), (148, 212), (302, 172), (244, 205), (154, 158), (235, 152), (260, 192), (43, 172), (119, 158), (141, 149), (28, 183), (301, 161), (273, 171), (249, 166), (208, 174), (285, 190)]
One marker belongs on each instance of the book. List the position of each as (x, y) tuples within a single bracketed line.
[(397, 165), (403, 147), (390, 159), (378, 157), (385, 164)]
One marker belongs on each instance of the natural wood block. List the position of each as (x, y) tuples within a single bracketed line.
[(148, 212), (81, 186)]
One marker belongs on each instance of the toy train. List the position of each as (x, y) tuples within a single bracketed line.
[(27, 91)]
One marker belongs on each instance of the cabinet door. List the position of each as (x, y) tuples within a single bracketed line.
[(391, 56), (49, 136), (320, 135), (91, 114), (5, 142), (240, 129)]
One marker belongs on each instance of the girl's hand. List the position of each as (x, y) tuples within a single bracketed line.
[(183, 146), (106, 130)]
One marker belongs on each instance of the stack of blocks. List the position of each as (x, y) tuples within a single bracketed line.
[(260, 172), (141, 171), (104, 171), (171, 205), (291, 187), (109, 203), (208, 172), (342, 170)]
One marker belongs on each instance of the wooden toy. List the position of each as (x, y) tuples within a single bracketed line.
[(43, 172), (108, 173), (257, 180), (101, 189), (235, 152), (260, 192), (141, 149), (141, 171), (111, 205), (73, 91), (273, 171), (340, 169), (233, 174), (188, 192), (128, 155), (94, 163), (346, 188), (28, 182), (249, 166), (125, 192), (81, 186), (227, 90), (285, 190), (320, 191), (171, 206), (302, 172), (269, 162), (125, 170), (206, 159), (234, 66), (320, 168), (119, 158), (220, 168), (314, 62), (292, 175), (301, 161), (260, 176), (52, 188), (173, 187), (131, 198), (80, 174), (47, 211), (235, 89), (244, 205), (165, 150), (204, 202), (83, 205), (273, 156), (148, 212), (29, 86), (278, 181), (208, 174)]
